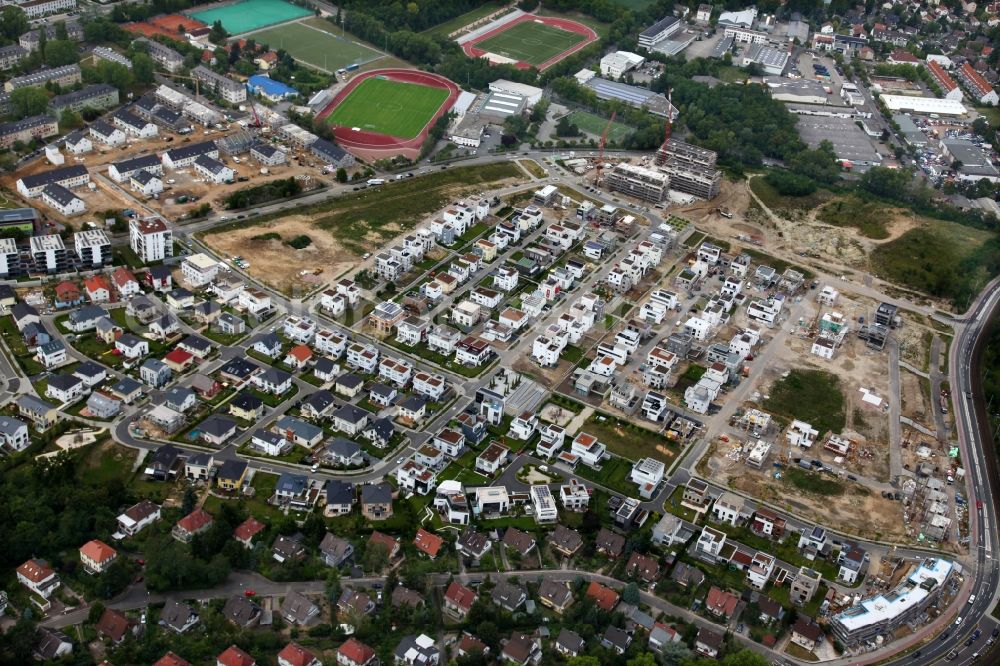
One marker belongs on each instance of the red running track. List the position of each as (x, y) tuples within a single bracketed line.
[(374, 146), (473, 51)]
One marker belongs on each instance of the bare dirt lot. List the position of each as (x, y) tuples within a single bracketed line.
[(279, 265)]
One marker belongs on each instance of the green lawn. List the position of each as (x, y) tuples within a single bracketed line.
[(613, 475), (530, 42), (627, 440), (594, 124), (389, 107), (813, 396), (444, 29), (315, 42)]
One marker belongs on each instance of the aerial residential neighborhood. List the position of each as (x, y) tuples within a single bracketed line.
[(626, 332)]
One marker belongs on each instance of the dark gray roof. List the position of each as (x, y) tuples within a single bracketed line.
[(54, 176), (339, 492), (103, 128), (126, 386), (217, 425), (210, 163), (59, 194), (382, 427), (89, 369), (328, 149), (378, 493), (343, 448), (232, 469), (351, 414), (24, 124), (319, 400), (143, 177), (247, 401), (659, 27), (265, 149), (292, 484), (130, 118), (82, 95), (137, 163), (191, 150), (350, 380), (240, 367), (64, 382)]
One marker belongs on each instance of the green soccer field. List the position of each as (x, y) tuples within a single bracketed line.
[(389, 107), (313, 42), (530, 42)]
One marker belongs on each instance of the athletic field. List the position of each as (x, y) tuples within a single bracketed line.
[(594, 124), (250, 15), (393, 108), (531, 42), (315, 42)]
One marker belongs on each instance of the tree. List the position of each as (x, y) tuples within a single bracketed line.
[(13, 22), (217, 34), (643, 659), (673, 654), (190, 501), (61, 32), (95, 613), (31, 101), (70, 119), (143, 68), (376, 557), (113, 73), (341, 175), (566, 128), (630, 594), (583, 660)]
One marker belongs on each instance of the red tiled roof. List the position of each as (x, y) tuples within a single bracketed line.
[(428, 543), (195, 520), (301, 353), (98, 551), (296, 655), (384, 539), (122, 276), (356, 651), (67, 289), (96, 282), (171, 659), (460, 596), (250, 528), (604, 597), (35, 570), (720, 602), (178, 356), (233, 656)]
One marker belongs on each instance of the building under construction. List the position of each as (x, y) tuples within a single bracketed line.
[(639, 182), (691, 169)]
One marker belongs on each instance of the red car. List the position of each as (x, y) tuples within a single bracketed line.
[(979, 505), (249, 593)]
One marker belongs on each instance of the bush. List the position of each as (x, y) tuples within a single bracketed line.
[(789, 184), (270, 235), (300, 242)]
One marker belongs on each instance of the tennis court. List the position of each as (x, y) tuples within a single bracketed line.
[(594, 124), (314, 43), (249, 15), (394, 108), (531, 42)]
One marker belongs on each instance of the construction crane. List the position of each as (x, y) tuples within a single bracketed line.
[(600, 154), (256, 119), (670, 121), (197, 83)]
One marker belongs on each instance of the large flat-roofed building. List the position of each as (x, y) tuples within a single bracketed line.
[(637, 181), (532, 94), (10, 258), (93, 247), (883, 614), (500, 105), (659, 31), (745, 35), (923, 105), (800, 91), (21, 219), (225, 87), (150, 239), (691, 168), (975, 163), (771, 60), (912, 134), (49, 253), (615, 65), (65, 76), (26, 129), (99, 96), (853, 147), (640, 98)]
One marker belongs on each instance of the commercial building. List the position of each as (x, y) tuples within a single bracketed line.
[(531, 94), (659, 31), (771, 60), (22, 219), (974, 163), (639, 182), (99, 96), (640, 98), (800, 91), (691, 169), (232, 91), (27, 129), (65, 76), (912, 134), (923, 105), (615, 65)]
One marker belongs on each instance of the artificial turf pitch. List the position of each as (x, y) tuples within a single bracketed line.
[(530, 42), (250, 15), (389, 107)]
